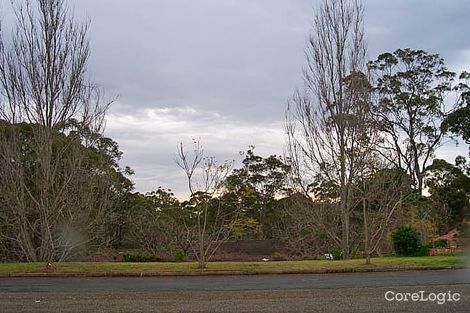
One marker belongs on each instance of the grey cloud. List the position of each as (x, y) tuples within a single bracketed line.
[(433, 25), (241, 58), (149, 140), (228, 56)]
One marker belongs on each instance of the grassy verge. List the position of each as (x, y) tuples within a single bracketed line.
[(83, 268)]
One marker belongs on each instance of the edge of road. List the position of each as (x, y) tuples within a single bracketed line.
[(233, 272)]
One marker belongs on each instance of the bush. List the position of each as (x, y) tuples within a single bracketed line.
[(337, 253), (406, 241), (138, 257), (442, 243), (423, 250), (180, 256)]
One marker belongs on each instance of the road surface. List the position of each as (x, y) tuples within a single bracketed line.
[(350, 292)]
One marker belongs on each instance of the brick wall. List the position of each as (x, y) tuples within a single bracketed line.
[(443, 251)]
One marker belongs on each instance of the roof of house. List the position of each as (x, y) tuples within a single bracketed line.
[(450, 236)]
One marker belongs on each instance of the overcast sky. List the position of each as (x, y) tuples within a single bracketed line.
[(222, 70)]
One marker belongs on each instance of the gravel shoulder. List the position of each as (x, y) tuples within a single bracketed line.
[(301, 300)]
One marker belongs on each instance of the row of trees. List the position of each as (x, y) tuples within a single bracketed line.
[(224, 204), (354, 120), (361, 138)]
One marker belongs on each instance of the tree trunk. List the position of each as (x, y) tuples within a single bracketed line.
[(366, 231), (202, 258), (344, 200)]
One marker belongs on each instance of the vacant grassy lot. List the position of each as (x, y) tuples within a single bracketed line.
[(245, 267)]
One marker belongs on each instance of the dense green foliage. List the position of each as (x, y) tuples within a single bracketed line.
[(458, 121), (449, 186), (406, 241), (254, 189)]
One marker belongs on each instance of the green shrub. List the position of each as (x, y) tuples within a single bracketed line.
[(180, 256), (336, 252), (423, 250), (442, 243), (406, 241), (138, 257)]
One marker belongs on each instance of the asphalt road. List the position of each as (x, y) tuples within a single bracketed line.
[(351, 292)]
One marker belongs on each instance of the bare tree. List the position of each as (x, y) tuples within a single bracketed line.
[(324, 118), (52, 114), (307, 228), (209, 224), (381, 193)]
